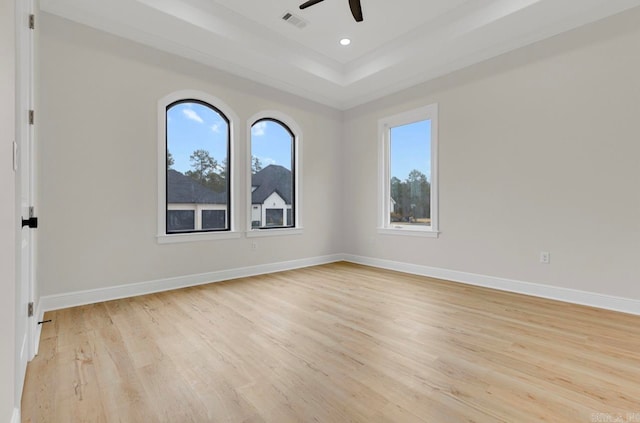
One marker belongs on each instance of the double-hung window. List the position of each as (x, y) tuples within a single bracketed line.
[(408, 173)]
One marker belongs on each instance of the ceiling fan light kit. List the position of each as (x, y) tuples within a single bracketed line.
[(356, 8)]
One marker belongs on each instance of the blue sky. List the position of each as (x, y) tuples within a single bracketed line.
[(271, 143), (192, 126), (411, 149)]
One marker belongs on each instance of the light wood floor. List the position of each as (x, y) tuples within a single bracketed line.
[(335, 343)]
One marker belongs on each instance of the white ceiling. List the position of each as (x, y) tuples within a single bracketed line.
[(399, 44)]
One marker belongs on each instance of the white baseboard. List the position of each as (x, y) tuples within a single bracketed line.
[(72, 299), (608, 302), (15, 418)]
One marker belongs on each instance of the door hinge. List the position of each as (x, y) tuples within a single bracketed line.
[(15, 156), (30, 310), (31, 117), (32, 21)]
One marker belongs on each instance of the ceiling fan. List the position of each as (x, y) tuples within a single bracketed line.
[(356, 8)]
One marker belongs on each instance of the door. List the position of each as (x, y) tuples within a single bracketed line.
[(25, 321)]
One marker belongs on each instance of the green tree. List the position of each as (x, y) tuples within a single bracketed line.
[(256, 164), (224, 168), (170, 160), (419, 194), (218, 180), (203, 167)]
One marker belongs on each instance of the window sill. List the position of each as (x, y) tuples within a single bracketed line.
[(194, 237), (258, 233), (426, 233)]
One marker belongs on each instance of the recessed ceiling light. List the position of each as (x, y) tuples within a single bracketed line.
[(345, 41)]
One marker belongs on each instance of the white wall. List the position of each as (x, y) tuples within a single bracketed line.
[(8, 220), (97, 174), (539, 151)]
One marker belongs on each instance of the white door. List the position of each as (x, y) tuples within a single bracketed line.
[(25, 324)]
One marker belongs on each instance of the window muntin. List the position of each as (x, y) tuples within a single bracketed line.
[(273, 178), (409, 172), (197, 144)]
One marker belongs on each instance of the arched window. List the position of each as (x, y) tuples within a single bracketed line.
[(197, 173), (274, 165)]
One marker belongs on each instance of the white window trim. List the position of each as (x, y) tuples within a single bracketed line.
[(385, 227), (234, 231), (297, 140)]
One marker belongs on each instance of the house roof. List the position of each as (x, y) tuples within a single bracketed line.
[(273, 178), (183, 189)]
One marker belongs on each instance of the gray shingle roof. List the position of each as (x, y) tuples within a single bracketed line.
[(183, 189), (272, 178)]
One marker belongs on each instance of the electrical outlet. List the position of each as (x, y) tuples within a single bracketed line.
[(545, 257), (254, 246)]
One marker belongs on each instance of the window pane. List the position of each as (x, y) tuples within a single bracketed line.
[(180, 220), (410, 170), (274, 217), (272, 175), (213, 219), (197, 156)]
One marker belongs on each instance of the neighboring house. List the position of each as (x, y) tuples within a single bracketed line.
[(271, 197), (192, 206)]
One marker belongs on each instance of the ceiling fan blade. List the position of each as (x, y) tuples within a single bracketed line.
[(356, 10), (309, 3)]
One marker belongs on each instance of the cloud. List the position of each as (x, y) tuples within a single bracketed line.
[(266, 161), (192, 115), (259, 129), (215, 128)]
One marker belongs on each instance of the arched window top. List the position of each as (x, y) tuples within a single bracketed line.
[(192, 103), (278, 117), (200, 97), (273, 121)]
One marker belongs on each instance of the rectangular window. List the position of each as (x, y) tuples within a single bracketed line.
[(408, 184)]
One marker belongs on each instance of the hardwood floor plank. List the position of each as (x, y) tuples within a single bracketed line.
[(334, 343)]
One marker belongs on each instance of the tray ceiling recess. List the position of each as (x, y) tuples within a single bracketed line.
[(392, 49)]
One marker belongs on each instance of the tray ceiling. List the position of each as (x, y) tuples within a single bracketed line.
[(399, 44)]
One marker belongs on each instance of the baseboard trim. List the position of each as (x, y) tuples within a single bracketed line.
[(78, 298), (592, 299)]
